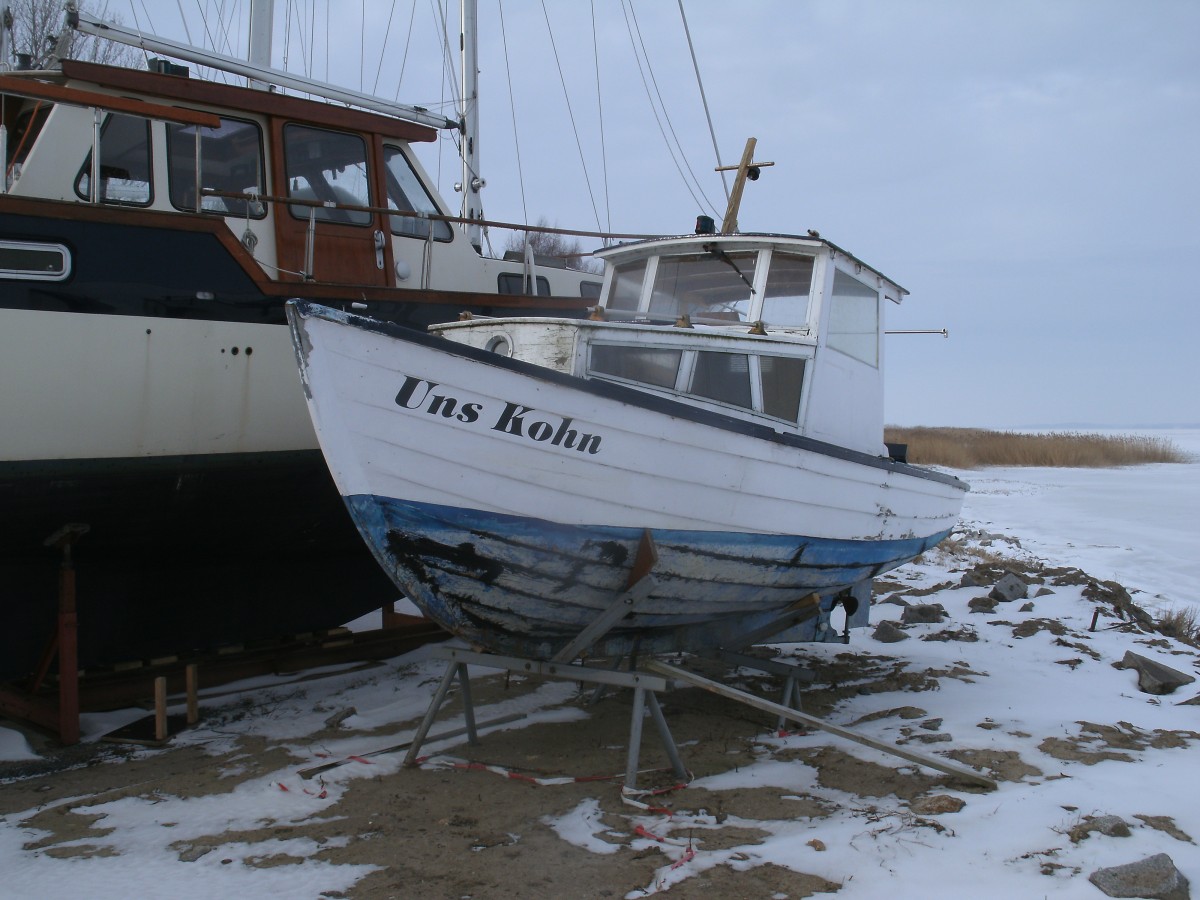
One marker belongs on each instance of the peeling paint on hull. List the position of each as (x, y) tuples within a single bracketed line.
[(522, 585)]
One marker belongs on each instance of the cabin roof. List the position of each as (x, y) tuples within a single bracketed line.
[(648, 247), (234, 97)]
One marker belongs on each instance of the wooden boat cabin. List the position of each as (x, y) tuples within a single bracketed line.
[(781, 330)]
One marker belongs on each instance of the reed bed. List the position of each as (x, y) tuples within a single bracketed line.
[(969, 448)]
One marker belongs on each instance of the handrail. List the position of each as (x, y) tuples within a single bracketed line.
[(412, 214)]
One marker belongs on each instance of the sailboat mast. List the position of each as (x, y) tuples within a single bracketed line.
[(472, 205), (262, 14)]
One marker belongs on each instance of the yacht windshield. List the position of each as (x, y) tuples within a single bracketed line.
[(704, 286)]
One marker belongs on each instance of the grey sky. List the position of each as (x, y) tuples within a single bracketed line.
[(1026, 169)]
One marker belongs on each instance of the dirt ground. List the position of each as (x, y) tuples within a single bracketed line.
[(455, 833)]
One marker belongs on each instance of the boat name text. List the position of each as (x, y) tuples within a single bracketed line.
[(515, 419)]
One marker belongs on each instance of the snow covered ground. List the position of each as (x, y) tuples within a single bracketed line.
[(1030, 696)]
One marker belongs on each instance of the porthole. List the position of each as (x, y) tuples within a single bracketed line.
[(500, 344)]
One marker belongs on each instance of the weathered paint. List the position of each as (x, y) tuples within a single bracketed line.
[(518, 584)]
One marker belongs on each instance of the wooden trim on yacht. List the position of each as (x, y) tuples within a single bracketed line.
[(241, 99), (42, 90)]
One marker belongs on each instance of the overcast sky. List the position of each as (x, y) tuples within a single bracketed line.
[(1027, 168)]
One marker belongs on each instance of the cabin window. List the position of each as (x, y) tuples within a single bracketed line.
[(406, 192), (724, 377), (34, 261), (705, 286), (23, 135), (590, 290), (326, 167), (514, 283), (626, 291), (124, 163), (782, 379), (646, 365), (785, 298), (854, 318), (231, 160)]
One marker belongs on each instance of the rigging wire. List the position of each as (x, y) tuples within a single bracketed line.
[(704, 99), (512, 105), (407, 44), (600, 118), (571, 113), (386, 32), (661, 103)]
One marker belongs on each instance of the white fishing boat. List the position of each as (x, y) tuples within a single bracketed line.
[(685, 469), (152, 225)]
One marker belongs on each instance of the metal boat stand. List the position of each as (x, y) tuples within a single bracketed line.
[(562, 665), (645, 689), (58, 713)]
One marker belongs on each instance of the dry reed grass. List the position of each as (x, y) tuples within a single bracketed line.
[(1182, 623), (969, 448)]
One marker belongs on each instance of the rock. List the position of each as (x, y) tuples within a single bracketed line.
[(931, 724), (1110, 826), (1153, 878), (923, 614), (1026, 607), (1042, 592), (970, 579), (1153, 677), (1009, 588), (982, 604), (895, 600), (336, 720), (936, 804), (889, 632)]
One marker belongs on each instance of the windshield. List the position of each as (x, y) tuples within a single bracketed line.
[(708, 285)]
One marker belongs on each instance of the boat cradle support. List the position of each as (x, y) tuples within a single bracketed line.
[(645, 689)]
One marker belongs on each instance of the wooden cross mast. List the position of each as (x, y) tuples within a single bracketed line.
[(745, 169)]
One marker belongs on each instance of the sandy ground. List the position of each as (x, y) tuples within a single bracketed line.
[(454, 833)]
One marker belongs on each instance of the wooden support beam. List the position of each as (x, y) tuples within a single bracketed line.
[(160, 708), (192, 685)]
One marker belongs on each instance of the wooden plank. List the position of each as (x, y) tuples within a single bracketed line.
[(677, 674), (41, 90)]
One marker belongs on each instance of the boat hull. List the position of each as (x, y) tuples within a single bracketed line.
[(182, 554), (508, 500), (528, 586)]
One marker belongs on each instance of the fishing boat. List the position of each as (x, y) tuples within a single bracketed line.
[(152, 225), (699, 464)]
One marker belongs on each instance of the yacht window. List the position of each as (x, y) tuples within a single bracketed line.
[(704, 286), (514, 283), (724, 377), (124, 163), (782, 378), (231, 160), (626, 291), (34, 262), (23, 134), (406, 192), (590, 290), (785, 299), (854, 319), (646, 365), (328, 167)]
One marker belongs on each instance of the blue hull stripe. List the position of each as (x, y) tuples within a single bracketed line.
[(518, 584)]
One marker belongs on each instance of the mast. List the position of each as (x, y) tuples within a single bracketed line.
[(472, 205), (262, 15)]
